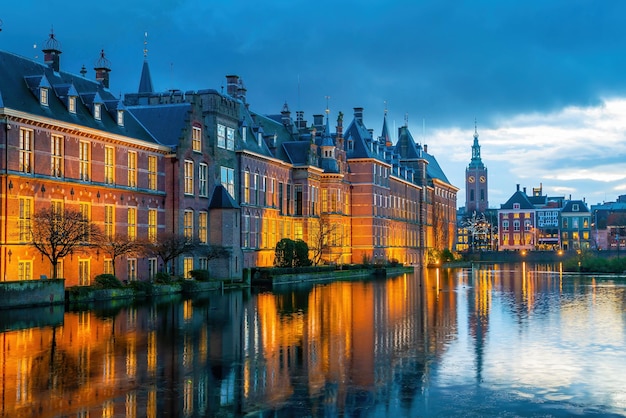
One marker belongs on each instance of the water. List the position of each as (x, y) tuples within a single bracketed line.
[(502, 340)]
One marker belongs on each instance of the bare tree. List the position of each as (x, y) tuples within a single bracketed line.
[(213, 252), (56, 234), (320, 238), (168, 247), (116, 246)]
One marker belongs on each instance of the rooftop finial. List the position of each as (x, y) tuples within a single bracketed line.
[(475, 129), (406, 119), (327, 108), (385, 102), (145, 44)]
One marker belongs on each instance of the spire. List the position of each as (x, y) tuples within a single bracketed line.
[(145, 82), (476, 160), (384, 136)]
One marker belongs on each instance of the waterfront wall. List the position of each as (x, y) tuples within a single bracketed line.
[(32, 293)]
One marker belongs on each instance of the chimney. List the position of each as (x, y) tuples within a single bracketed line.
[(318, 120), (300, 122), (358, 114), (517, 187), (241, 91), (426, 148), (524, 190), (51, 52), (340, 126), (103, 68), (232, 85)]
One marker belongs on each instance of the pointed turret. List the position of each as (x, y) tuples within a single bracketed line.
[(145, 82), (384, 136), (103, 68), (476, 162), (51, 52)]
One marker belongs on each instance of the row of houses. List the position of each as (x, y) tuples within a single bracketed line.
[(204, 165)]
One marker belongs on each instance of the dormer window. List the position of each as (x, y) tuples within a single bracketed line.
[(97, 111), (71, 104), (516, 206), (120, 117), (259, 138), (244, 133), (43, 96), (575, 207)]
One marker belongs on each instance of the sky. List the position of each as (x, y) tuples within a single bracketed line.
[(544, 82)]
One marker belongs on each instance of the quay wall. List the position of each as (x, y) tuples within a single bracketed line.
[(32, 293)]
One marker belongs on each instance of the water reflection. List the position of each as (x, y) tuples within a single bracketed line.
[(493, 340)]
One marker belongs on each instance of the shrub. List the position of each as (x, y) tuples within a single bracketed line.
[(200, 275), (107, 281), (163, 278), (141, 287)]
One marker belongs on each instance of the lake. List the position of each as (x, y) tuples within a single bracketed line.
[(513, 340)]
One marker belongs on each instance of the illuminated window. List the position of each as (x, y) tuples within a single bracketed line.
[(109, 168), (202, 227), (72, 104), (84, 158), (132, 269), (132, 223), (228, 179), (85, 211), (246, 187), (245, 231), (152, 172), (83, 272), (56, 156), (109, 221), (108, 266), (221, 136), (152, 225), (188, 224), (26, 208), (196, 139), (25, 270), (26, 151), (188, 177), (505, 225), (516, 225), (203, 171), (187, 266), (132, 169)]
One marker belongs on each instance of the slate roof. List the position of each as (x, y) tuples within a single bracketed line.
[(518, 197), (569, 206), (20, 79), (433, 169), (406, 146), (145, 81), (221, 199), (362, 138), (165, 122), (297, 152)]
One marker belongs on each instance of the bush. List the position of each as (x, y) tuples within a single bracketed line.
[(107, 281), (290, 253), (200, 275), (163, 278)]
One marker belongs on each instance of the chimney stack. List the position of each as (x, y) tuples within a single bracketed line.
[(103, 68), (51, 52), (358, 114), (232, 85)]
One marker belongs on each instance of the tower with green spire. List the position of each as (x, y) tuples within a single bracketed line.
[(476, 181)]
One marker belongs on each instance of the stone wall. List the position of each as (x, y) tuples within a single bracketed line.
[(31, 293)]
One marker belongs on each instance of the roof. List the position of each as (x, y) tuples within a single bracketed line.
[(165, 122), (570, 205), (20, 81), (518, 197), (433, 169), (145, 82), (297, 152), (221, 199)]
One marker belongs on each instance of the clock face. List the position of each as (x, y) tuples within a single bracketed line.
[(483, 179), (471, 179)]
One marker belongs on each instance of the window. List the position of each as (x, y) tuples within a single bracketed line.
[(515, 225), (221, 136), (132, 169), (246, 187), (565, 223), (505, 225), (245, 231), (26, 208), (109, 168), (228, 179), (132, 269), (59, 272), (202, 227), (72, 104), (83, 272), (108, 266), (263, 185), (120, 117), (196, 139), (26, 151), (109, 221), (187, 267), (574, 223), (97, 111), (527, 226), (188, 224), (575, 207), (43, 96), (203, 263), (516, 206), (244, 133), (25, 270), (298, 196), (84, 160), (188, 177), (56, 156), (132, 223), (203, 171), (152, 172), (230, 139), (152, 268), (152, 225)]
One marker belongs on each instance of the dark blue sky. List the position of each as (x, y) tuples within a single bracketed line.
[(530, 72)]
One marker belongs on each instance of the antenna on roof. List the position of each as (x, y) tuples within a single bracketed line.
[(406, 119), (327, 108)]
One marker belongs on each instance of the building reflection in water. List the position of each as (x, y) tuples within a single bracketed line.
[(326, 349)]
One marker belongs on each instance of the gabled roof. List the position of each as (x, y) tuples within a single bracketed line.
[(221, 199), (19, 74), (433, 170), (362, 140), (406, 147), (518, 197)]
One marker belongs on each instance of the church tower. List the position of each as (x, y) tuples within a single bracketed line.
[(476, 181)]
